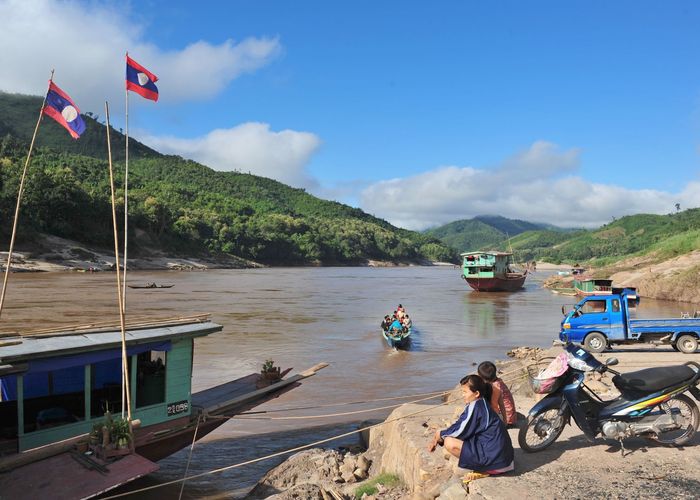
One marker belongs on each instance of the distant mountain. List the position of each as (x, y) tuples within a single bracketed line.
[(483, 232), (179, 206)]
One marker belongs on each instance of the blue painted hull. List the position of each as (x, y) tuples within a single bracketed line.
[(398, 341)]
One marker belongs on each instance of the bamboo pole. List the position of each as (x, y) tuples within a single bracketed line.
[(125, 374), (126, 189), (19, 198)]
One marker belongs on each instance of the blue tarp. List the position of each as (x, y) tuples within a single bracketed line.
[(71, 374)]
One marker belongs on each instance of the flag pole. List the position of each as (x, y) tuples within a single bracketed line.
[(126, 191), (125, 374), (19, 197)]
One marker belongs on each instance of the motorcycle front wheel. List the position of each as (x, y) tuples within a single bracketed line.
[(541, 430), (685, 413)]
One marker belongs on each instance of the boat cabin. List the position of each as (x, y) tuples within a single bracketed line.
[(593, 286), (486, 264), (55, 386)]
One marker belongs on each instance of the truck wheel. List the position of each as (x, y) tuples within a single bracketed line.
[(687, 344), (595, 342)]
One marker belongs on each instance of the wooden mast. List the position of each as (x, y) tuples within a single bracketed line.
[(125, 374), (19, 198)]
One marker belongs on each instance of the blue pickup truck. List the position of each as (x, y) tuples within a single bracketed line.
[(599, 321)]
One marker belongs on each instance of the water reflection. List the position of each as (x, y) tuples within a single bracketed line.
[(487, 313)]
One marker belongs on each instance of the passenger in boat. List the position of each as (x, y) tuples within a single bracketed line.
[(406, 322), (386, 322), (502, 400), (400, 312), (396, 325), (478, 438)]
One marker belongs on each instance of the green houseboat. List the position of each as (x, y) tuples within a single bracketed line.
[(593, 286), (56, 387), (491, 272)]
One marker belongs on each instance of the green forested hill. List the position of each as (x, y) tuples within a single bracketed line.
[(667, 235), (483, 232), (468, 235), (181, 206)]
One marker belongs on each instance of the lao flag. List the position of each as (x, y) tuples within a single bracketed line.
[(140, 80), (61, 108)]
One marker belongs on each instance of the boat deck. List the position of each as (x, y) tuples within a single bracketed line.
[(68, 476), (244, 393)]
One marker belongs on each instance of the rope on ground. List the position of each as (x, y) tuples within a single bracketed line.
[(279, 453), (189, 458), (347, 403)]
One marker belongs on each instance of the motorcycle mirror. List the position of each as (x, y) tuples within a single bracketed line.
[(611, 361)]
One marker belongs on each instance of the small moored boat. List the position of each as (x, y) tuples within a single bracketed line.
[(151, 285)]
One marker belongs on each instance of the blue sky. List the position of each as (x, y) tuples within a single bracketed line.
[(421, 113)]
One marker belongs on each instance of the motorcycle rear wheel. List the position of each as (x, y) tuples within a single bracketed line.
[(684, 409), (541, 430)]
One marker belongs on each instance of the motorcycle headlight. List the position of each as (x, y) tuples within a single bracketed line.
[(579, 364)]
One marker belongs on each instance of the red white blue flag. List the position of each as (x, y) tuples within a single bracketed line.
[(140, 80), (61, 108)]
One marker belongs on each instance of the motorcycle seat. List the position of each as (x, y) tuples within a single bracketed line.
[(653, 379)]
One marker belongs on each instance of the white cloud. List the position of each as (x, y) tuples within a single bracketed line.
[(251, 147), (85, 43), (538, 184)]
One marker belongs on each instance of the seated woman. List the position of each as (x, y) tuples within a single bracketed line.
[(478, 438)]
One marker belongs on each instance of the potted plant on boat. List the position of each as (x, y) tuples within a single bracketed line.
[(112, 437), (270, 372)]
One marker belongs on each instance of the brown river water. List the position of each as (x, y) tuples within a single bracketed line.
[(300, 317)]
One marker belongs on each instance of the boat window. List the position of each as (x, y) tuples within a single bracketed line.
[(54, 398), (594, 306), (150, 372), (615, 305), (8, 409), (106, 384)]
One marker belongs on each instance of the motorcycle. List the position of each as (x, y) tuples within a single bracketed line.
[(652, 403)]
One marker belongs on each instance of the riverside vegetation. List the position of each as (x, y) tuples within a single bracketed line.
[(179, 206)]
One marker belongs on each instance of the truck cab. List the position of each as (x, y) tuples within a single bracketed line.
[(598, 320)]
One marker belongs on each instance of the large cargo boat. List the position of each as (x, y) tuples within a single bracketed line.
[(491, 272)]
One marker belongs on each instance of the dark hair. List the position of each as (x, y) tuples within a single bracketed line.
[(477, 384), (487, 371)]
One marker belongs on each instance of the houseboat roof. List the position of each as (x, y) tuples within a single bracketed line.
[(497, 254), (17, 348)]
